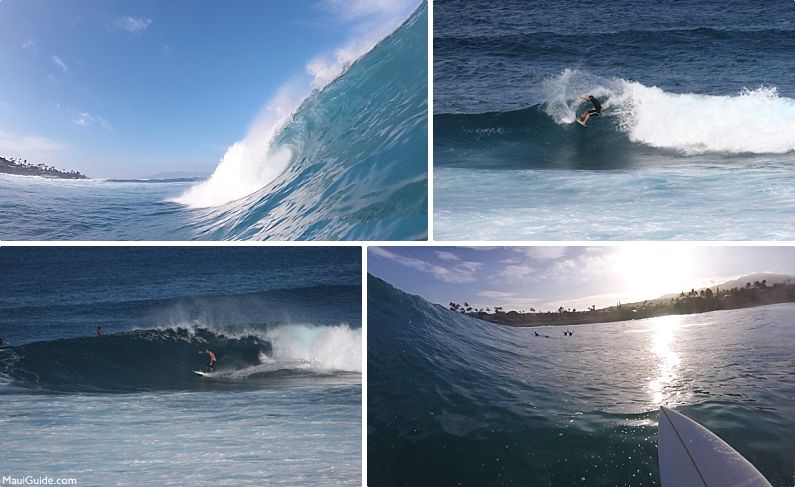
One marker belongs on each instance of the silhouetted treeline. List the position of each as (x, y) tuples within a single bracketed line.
[(757, 293), (24, 168)]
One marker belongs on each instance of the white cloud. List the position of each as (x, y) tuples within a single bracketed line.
[(544, 253), (85, 119), (447, 255), (134, 25), (57, 61), (373, 19), (26, 146), (355, 10), (584, 302), (516, 272), (30, 45), (459, 273), (496, 294)]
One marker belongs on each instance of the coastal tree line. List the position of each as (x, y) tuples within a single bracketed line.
[(12, 165), (757, 293)]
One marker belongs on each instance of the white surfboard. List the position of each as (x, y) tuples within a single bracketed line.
[(201, 373), (690, 454), (577, 119)]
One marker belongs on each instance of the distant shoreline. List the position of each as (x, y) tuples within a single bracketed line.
[(23, 168), (693, 302)]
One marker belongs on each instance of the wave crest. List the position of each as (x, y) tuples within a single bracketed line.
[(153, 359), (753, 121)]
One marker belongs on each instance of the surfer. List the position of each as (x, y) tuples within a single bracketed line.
[(593, 112), (100, 331), (211, 364)]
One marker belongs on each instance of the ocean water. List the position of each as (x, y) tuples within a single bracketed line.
[(283, 406), (693, 142), (350, 163), (457, 401)]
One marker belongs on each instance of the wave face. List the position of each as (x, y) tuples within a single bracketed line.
[(163, 359), (637, 121), (456, 401), (350, 163)]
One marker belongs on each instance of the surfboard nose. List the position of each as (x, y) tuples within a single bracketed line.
[(690, 454)]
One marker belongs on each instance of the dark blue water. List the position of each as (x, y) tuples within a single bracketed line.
[(66, 292), (283, 405), (349, 164), (457, 401), (698, 100)]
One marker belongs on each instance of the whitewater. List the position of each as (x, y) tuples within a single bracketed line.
[(749, 122), (693, 142), (282, 407), (339, 153)]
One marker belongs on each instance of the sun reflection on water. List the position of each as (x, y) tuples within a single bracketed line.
[(663, 336)]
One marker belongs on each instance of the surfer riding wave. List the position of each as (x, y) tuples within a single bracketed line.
[(211, 364), (593, 112)]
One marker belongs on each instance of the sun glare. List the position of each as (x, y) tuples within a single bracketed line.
[(649, 272), (663, 336)]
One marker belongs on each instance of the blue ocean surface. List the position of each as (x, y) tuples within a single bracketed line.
[(453, 400), (694, 142), (349, 164), (282, 407)]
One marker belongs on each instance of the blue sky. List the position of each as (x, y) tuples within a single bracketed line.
[(121, 88), (545, 278)]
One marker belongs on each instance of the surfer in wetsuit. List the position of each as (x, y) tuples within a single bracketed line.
[(593, 112), (100, 331), (211, 364)]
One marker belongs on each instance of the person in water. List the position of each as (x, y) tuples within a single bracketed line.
[(100, 331), (211, 364), (593, 112)]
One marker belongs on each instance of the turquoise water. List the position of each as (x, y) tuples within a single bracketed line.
[(456, 401), (355, 168)]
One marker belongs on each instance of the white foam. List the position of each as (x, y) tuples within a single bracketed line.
[(294, 346), (753, 121), (315, 347), (251, 163), (254, 162)]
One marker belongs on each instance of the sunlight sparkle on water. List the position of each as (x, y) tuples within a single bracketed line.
[(663, 337)]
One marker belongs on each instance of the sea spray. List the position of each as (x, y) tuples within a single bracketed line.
[(753, 121), (319, 348), (251, 163)]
